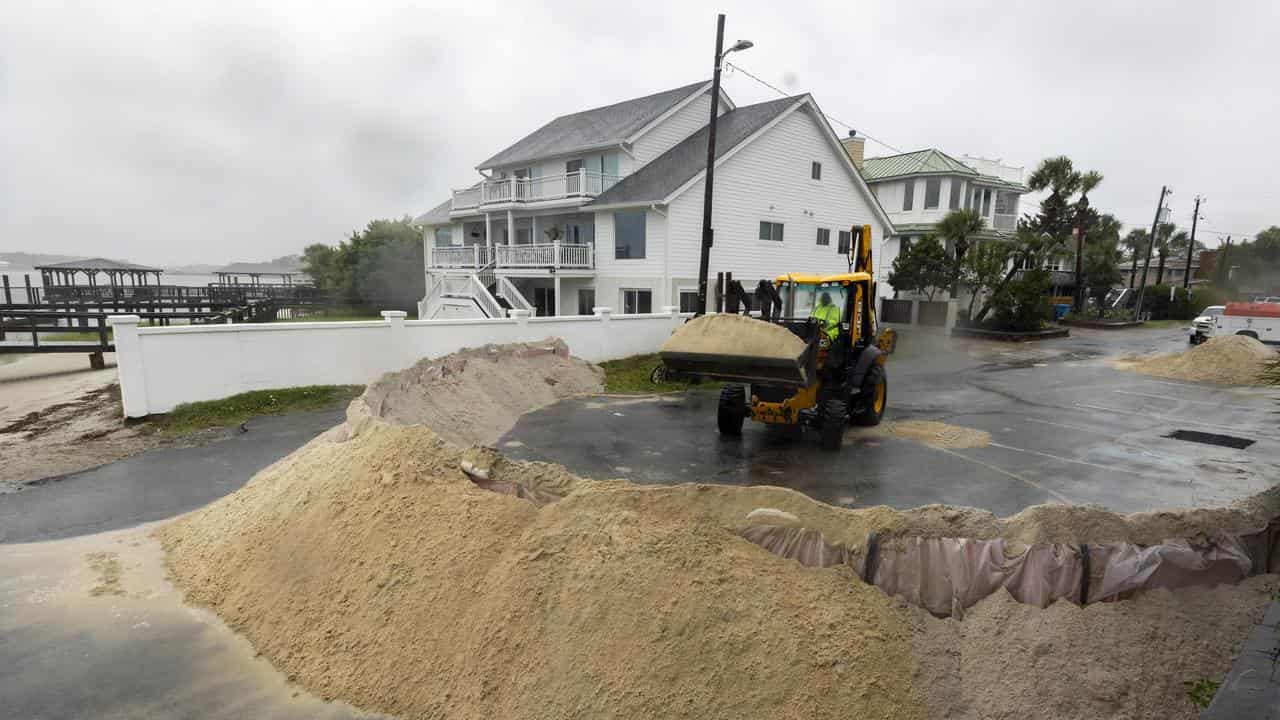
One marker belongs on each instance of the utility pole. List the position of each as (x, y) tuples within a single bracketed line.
[(705, 260), (1155, 226), (1191, 246)]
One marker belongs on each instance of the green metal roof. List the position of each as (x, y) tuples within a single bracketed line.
[(928, 160)]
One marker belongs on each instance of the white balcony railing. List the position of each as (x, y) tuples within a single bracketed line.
[(471, 256), (553, 255), (580, 184)]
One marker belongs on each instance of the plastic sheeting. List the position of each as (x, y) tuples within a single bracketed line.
[(947, 575)]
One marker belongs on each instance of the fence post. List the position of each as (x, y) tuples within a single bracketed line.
[(129, 365), (400, 350), (604, 315)]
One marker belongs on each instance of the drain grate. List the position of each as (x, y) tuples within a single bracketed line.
[(1230, 441)]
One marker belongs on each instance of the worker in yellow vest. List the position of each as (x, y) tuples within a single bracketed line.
[(827, 315)]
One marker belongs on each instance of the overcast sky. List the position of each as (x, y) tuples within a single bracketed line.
[(181, 132)]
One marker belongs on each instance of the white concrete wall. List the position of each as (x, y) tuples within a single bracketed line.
[(161, 368)]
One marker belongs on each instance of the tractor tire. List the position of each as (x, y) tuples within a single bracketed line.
[(732, 411), (873, 398), (831, 430)]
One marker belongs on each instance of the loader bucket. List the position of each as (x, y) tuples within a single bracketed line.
[(738, 348)]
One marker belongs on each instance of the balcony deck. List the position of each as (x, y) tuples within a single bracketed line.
[(569, 256), (505, 191)]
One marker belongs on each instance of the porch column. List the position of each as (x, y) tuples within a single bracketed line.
[(488, 232), (555, 310), (533, 229), (511, 228)]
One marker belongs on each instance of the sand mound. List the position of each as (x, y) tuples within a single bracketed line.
[(375, 571), (1230, 360), (369, 566), (474, 396), (935, 434), (1109, 660), (722, 334)]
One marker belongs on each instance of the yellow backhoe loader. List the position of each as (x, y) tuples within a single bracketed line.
[(837, 380)]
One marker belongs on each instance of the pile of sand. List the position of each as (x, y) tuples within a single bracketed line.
[(368, 566), (1231, 360), (1109, 660), (727, 334), (474, 396), (374, 571)]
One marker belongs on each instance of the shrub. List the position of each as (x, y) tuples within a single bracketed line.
[(1023, 305), (1157, 302)]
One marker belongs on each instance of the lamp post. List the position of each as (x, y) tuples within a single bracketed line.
[(705, 259)]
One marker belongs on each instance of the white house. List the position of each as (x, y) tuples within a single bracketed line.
[(917, 189), (604, 208)]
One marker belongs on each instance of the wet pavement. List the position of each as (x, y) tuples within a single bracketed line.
[(157, 484), (1065, 426)]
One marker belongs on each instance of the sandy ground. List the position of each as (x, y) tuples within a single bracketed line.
[(57, 416), (93, 628)]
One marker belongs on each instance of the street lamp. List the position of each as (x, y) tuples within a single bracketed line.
[(705, 259)]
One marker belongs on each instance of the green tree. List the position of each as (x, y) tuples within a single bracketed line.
[(923, 268), (379, 267), (958, 226), (983, 268), (1102, 258), (1060, 212), (1136, 244)]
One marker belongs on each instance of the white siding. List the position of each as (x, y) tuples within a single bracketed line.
[(770, 180), (651, 266), (680, 125)]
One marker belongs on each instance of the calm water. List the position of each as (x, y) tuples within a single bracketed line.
[(18, 290)]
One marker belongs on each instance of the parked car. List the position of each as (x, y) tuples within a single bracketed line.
[(1202, 326)]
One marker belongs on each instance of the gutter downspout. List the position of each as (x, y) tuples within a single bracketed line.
[(666, 254)]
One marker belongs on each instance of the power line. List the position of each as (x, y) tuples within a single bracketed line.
[(833, 119)]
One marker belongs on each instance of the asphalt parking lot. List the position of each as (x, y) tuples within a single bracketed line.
[(1065, 427)]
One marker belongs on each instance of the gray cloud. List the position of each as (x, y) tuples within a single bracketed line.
[(213, 131)]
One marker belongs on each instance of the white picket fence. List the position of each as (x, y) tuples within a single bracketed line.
[(163, 367)]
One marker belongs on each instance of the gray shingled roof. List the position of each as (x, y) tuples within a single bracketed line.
[(97, 264), (435, 216), (594, 128), (655, 181)]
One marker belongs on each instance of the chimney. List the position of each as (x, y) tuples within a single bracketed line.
[(853, 145)]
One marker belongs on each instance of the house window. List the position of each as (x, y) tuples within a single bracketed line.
[(586, 301), (845, 239), (572, 166), (573, 180), (444, 237), (637, 301), (523, 236), (628, 235), (908, 194), (1006, 203), (688, 301), (932, 191), (815, 171), (521, 173), (977, 200), (986, 202), (824, 236), (954, 204), (770, 231)]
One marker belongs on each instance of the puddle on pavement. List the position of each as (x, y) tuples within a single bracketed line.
[(94, 628)]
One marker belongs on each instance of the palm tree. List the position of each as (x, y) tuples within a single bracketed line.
[(958, 226), (1136, 243), (1163, 245)]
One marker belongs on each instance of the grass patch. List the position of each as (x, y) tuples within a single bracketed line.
[(630, 376), (86, 336), (1165, 324), (190, 417), (1201, 692)]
